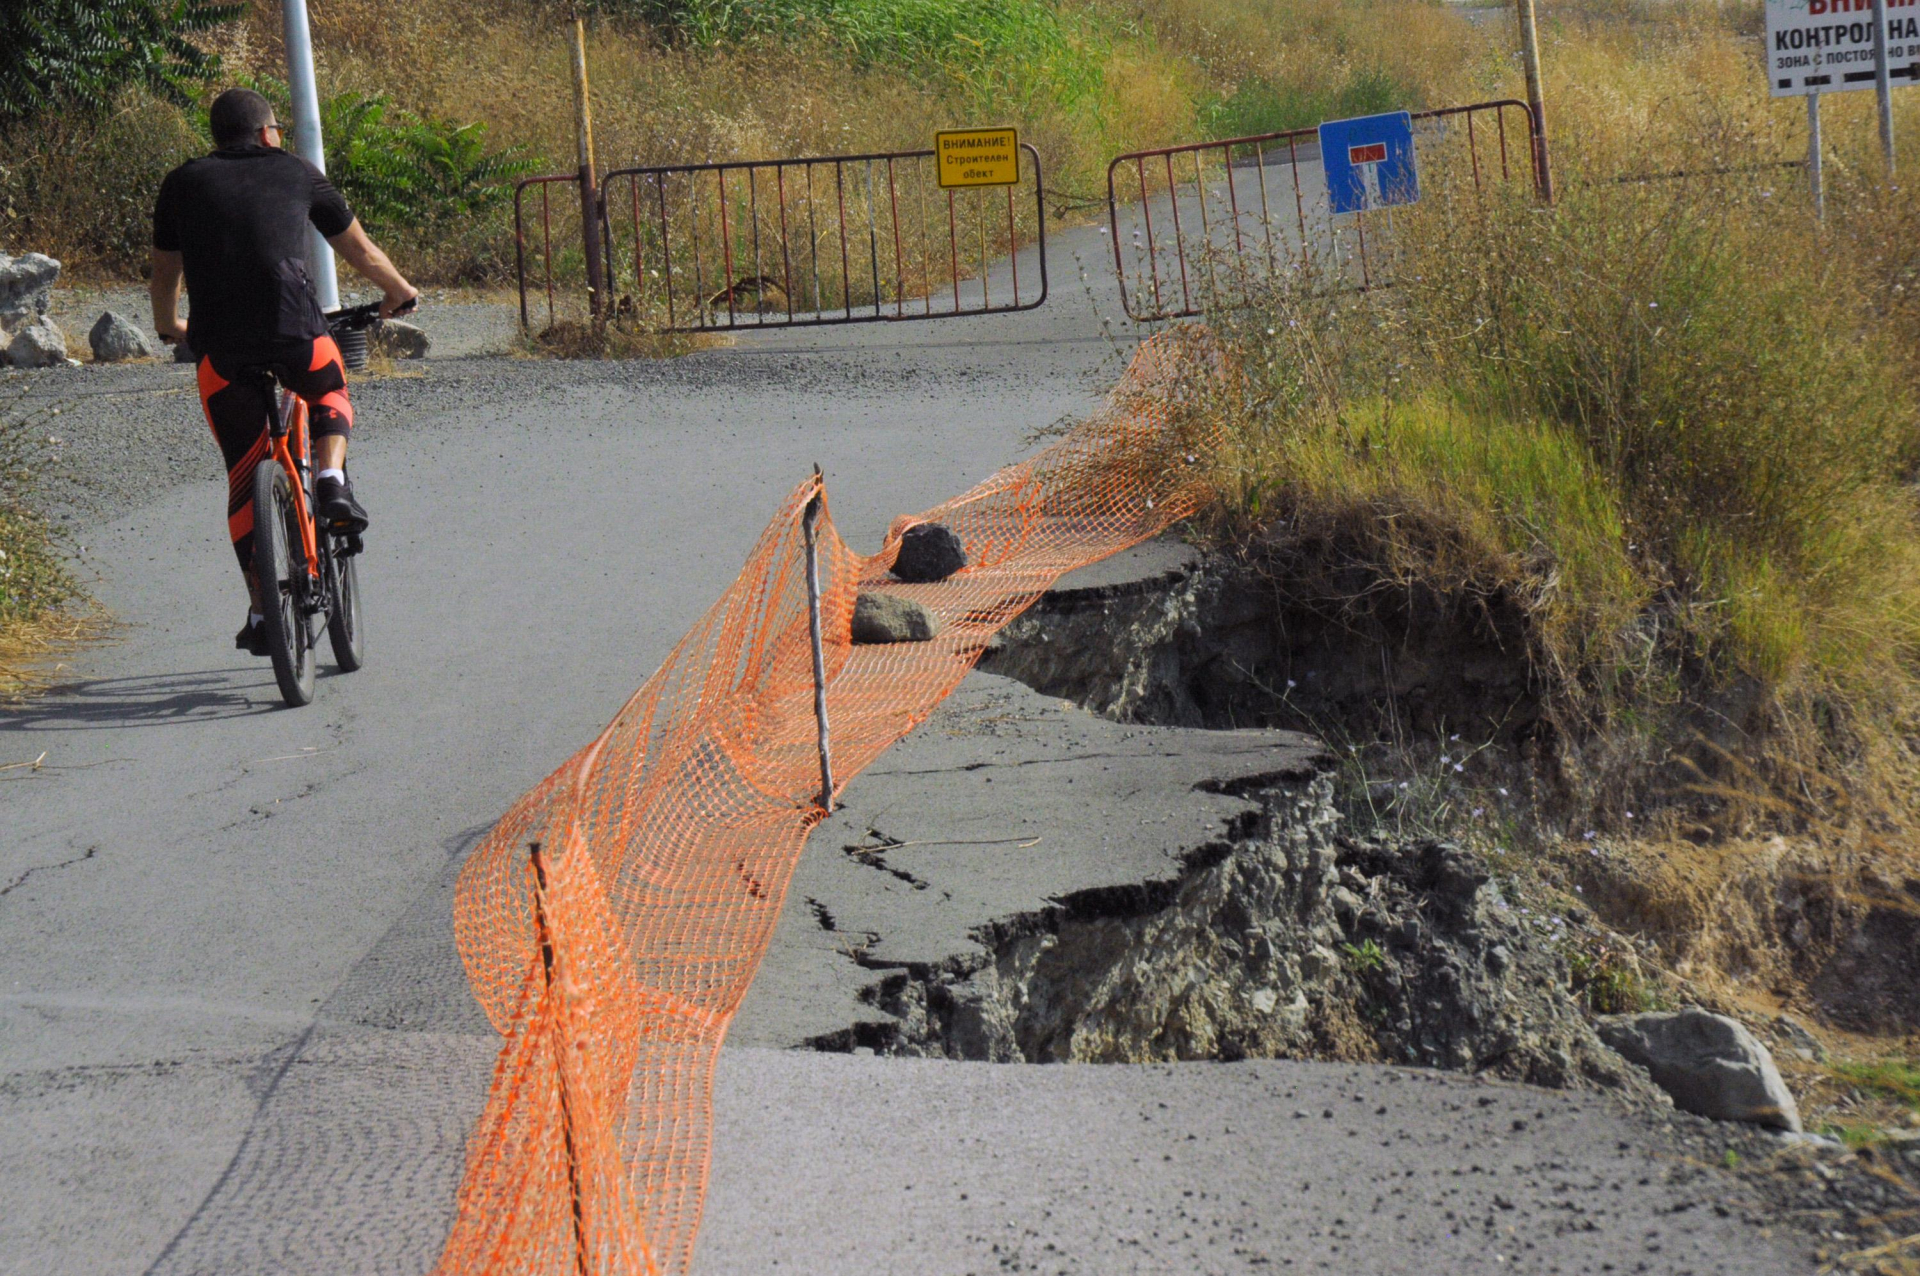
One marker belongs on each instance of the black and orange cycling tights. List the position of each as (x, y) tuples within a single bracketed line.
[(236, 404)]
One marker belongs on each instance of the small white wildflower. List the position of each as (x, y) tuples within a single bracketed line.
[(1589, 835), (1579, 890), (1444, 759), (1458, 768), (1453, 737), (1291, 684), (1629, 814), (1501, 792), (1479, 811)]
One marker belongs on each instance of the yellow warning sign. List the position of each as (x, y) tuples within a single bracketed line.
[(977, 156)]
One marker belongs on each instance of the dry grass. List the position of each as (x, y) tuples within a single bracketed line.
[(1677, 424), (33, 652)]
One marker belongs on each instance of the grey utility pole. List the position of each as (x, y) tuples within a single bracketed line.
[(307, 142), (1883, 81)]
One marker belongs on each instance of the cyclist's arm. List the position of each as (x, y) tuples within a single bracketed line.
[(164, 289), (365, 256)]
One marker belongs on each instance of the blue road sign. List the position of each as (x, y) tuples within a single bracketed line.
[(1369, 162)]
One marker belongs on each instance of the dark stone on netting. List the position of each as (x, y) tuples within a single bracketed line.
[(928, 552)]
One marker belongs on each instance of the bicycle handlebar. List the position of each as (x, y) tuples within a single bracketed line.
[(351, 318)]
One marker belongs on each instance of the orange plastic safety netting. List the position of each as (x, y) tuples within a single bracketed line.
[(613, 919)]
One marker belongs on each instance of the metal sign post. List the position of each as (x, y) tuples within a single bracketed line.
[(307, 142), (1813, 156), (1883, 80)]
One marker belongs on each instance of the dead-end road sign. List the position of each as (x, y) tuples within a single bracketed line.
[(1826, 46), (1369, 162)]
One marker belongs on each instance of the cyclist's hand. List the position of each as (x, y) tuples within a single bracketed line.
[(176, 331), (399, 303)]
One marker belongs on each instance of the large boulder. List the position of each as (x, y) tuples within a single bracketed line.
[(38, 345), (1710, 1064), (891, 618), (398, 340), (26, 288), (115, 339), (928, 552)]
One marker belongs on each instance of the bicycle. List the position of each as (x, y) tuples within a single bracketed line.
[(306, 571)]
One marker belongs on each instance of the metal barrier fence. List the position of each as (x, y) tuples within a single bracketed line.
[(1210, 228), (808, 242), (549, 256), (786, 243)]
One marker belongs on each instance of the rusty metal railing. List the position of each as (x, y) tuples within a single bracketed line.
[(569, 236), (828, 240), (1211, 225)]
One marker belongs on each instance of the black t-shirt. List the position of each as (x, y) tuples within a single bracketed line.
[(239, 218)]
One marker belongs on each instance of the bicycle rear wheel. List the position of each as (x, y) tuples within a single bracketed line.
[(280, 568), (343, 607)]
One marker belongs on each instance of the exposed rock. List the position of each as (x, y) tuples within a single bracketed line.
[(891, 618), (928, 552), (1799, 1040), (1710, 1064), (1247, 954), (115, 339), (40, 344), (398, 340), (26, 288)]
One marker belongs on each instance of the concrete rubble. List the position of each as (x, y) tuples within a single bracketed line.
[(28, 339)]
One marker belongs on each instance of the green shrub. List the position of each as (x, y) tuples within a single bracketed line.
[(62, 53)]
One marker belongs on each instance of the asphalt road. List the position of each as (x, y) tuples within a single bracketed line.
[(234, 1037)]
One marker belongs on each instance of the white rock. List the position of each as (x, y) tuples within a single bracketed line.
[(40, 344), (26, 288)]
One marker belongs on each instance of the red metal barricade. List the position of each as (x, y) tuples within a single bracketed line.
[(1210, 226), (807, 242), (556, 246)]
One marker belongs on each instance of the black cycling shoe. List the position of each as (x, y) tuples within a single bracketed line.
[(252, 637), (337, 508)]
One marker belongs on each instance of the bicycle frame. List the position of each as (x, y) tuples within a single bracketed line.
[(291, 447)]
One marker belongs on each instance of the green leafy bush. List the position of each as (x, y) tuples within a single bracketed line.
[(405, 171), (66, 52)]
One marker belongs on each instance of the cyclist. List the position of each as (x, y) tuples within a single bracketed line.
[(235, 223)]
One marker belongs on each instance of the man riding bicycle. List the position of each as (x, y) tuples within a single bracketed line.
[(235, 223)]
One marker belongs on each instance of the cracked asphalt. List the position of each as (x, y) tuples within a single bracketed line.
[(234, 1033)]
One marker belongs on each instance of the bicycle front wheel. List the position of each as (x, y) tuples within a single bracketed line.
[(280, 568), (343, 607)]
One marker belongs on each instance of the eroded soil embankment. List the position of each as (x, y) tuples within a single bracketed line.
[(1444, 710)]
